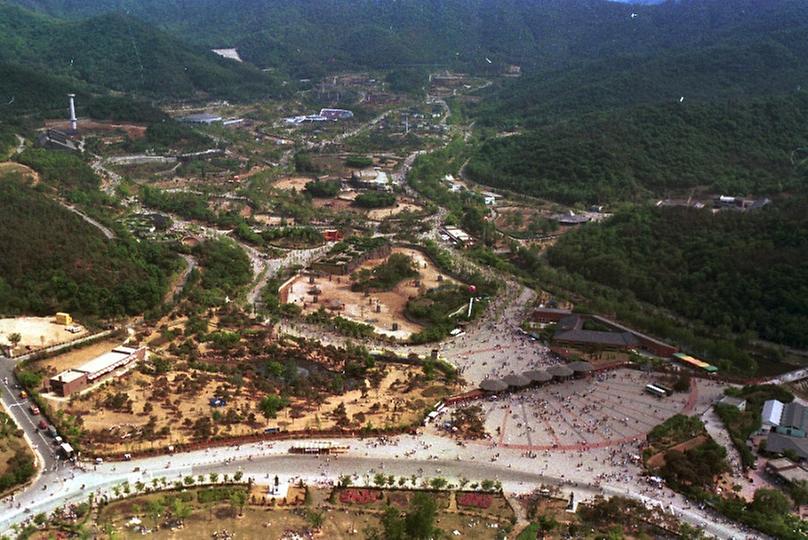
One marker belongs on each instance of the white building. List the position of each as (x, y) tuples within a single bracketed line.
[(772, 413)]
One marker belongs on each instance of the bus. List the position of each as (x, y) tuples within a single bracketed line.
[(668, 391), (655, 391)]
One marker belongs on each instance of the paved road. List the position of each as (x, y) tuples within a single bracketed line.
[(17, 407), (423, 457)]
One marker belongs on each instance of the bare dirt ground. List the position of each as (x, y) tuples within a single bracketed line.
[(224, 205), (341, 204), (342, 521), (27, 173), (36, 332), (360, 308), (379, 214), (517, 218), (273, 221), (297, 183), (77, 357), (134, 131), (391, 404)]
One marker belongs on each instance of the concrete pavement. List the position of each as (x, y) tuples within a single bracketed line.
[(423, 456)]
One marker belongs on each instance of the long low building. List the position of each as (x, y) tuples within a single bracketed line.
[(76, 379)]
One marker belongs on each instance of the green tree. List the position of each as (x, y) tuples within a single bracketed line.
[(419, 523), (770, 502), (238, 499), (315, 519), (154, 509), (14, 338), (271, 404), (180, 509)]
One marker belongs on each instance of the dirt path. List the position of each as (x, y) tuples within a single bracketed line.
[(104, 230), (300, 257), (190, 264)]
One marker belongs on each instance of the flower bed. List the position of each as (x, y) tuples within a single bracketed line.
[(359, 496), (477, 500)]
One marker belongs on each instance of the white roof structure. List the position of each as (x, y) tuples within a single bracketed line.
[(457, 234), (772, 413), (107, 362), (102, 362), (70, 375)]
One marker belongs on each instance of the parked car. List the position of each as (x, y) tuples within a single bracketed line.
[(34, 410), (42, 424)]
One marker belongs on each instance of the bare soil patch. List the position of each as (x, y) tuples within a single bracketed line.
[(380, 309), (134, 131), (296, 183), (378, 214), (27, 173), (37, 332)]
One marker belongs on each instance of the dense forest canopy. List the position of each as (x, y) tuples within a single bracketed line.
[(308, 38), (735, 147), (736, 272), (53, 261), (118, 52), (778, 63)]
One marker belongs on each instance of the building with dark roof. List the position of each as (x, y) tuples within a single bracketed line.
[(786, 471), (611, 334), (201, 118), (550, 315), (53, 139), (571, 218), (786, 418), (571, 331), (777, 443)]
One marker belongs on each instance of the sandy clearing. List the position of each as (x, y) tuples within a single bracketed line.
[(297, 183), (27, 173), (360, 308), (77, 357), (37, 332), (379, 214)]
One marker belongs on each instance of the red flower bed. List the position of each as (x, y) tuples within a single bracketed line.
[(477, 500), (358, 496)]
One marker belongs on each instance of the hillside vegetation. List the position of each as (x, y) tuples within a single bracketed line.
[(53, 261), (733, 147), (745, 273), (741, 66), (309, 38), (118, 52)]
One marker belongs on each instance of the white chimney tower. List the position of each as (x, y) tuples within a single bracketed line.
[(73, 120)]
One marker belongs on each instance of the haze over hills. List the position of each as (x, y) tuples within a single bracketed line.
[(307, 38), (118, 52)]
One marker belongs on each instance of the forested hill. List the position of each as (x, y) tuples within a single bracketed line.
[(735, 272), (54, 261), (307, 37), (743, 67), (732, 147), (121, 53)]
